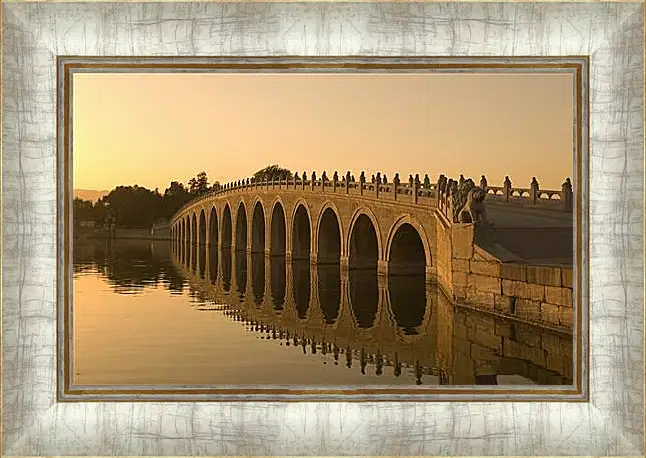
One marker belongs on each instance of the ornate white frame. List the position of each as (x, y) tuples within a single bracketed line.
[(612, 423)]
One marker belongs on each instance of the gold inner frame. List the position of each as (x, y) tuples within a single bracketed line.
[(255, 63)]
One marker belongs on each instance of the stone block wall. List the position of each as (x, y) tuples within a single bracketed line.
[(540, 294), (444, 255)]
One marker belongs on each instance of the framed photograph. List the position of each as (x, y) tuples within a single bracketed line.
[(209, 220), (372, 286)]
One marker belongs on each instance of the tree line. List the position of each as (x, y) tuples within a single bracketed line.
[(139, 207)]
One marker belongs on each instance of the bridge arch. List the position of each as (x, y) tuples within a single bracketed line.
[(213, 227), (407, 226), (326, 240), (278, 228), (258, 227), (202, 232), (194, 228), (365, 221), (300, 244), (227, 226), (241, 227)]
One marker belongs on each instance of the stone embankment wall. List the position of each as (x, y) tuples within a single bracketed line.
[(535, 293)]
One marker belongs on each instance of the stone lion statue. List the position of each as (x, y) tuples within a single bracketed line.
[(474, 210)]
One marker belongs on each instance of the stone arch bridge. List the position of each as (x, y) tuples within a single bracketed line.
[(393, 226)]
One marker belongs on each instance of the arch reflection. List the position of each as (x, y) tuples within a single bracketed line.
[(202, 261), (364, 296), (396, 326), (226, 268), (407, 301), (258, 277), (241, 273), (278, 281), (301, 286), (329, 291), (213, 263)]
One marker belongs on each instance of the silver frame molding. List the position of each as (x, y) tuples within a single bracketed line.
[(610, 423)]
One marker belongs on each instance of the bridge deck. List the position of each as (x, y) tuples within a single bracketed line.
[(530, 235)]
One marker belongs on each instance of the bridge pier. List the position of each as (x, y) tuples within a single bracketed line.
[(431, 274)]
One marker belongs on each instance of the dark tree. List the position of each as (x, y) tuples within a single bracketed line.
[(199, 185), (174, 197), (271, 173), (134, 206)]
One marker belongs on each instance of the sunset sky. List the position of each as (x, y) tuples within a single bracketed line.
[(150, 129)]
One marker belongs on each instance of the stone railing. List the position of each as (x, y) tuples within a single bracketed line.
[(452, 194), (448, 200), (416, 191)]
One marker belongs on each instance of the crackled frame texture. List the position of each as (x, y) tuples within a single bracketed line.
[(612, 423)]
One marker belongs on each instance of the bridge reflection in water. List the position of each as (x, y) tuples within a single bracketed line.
[(372, 320)]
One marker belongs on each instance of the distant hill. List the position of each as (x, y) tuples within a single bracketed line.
[(89, 194)]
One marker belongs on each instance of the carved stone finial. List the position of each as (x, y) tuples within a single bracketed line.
[(296, 176), (483, 183), (335, 177), (304, 175), (566, 195), (313, 176), (427, 181), (396, 180), (534, 190), (384, 180), (372, 179), (362, 177)]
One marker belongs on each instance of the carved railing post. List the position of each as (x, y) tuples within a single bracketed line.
[(313, 180), (566, 195), (295, 179), (410, 187), (347, 182), (280, 182), (335, 179), (415, 188), (395, 185), (362, 181), (427, 182), (506, 188), (534, 191), (323, 180), (483, 183), (377, 184), (304, 179)]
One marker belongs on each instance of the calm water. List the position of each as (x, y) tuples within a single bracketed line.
[(145, 314)]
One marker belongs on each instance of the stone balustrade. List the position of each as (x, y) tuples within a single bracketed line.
[(415, 190)]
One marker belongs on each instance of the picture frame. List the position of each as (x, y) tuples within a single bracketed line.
[(35, 422)]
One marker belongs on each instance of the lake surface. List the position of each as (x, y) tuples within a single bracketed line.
[(148, 313)]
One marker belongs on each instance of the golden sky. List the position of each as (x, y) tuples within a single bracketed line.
[(150, 129)]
